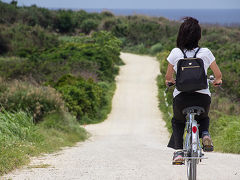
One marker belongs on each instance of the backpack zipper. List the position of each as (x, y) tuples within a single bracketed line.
[(190, 58), (188, 67)]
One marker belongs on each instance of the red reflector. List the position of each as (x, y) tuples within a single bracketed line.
[(194, 129)]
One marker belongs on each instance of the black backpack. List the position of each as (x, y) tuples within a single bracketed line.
[(191, 75)]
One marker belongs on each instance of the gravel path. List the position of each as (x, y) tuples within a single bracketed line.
[(131, 143)]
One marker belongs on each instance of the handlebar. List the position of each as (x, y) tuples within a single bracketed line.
[(169, 84), (211, 79)]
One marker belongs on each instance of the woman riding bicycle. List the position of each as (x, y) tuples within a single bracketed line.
[(189, 35)]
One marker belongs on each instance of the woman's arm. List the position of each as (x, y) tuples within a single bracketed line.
[(169, 74), (217, 73)]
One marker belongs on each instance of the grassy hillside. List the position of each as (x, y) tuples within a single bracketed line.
[(140, 34), (51, 82), (46, 95), (57, 71)]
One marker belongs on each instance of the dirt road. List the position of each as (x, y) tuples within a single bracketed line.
[(131, 143)]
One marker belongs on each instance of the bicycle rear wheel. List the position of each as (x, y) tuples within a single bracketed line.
[(192, 164), (192, 169)]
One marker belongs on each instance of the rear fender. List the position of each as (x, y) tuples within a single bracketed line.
[(195, 137)]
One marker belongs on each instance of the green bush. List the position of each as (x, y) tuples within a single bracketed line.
[(15, 68), (107, 14), (89, 101), (156, 48), (139, 49), (37, 100), (25, 40), (120, 30), (82, 97), (64, 22), (78, 58), (34, 15), (9, 13), (108, 24), (89, 25), (4, 45), (95, 57)]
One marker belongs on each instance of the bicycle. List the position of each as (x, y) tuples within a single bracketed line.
[(192, 148)]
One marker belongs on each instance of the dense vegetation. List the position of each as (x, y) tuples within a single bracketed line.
[(57, 69), (50, 82), (140, 34)]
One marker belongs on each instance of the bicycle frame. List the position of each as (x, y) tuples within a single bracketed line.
[(191, 122), (192, 147)]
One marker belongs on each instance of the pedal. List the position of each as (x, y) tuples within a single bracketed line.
[(178, 163), (208, 148)]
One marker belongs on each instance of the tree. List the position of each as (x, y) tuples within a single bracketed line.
[(88, 25), (64, 22), (14, 3)]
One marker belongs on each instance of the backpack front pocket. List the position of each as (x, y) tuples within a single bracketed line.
[(189, 67)]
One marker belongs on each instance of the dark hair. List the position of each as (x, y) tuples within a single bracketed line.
[(189, 34)]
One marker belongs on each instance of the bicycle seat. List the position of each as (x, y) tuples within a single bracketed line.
[(193, 109)]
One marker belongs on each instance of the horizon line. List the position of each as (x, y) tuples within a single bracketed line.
[(142, 8)]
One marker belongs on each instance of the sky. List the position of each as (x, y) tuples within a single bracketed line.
[(133, 4)]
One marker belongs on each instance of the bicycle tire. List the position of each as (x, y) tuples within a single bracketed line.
[(192, 164), (192, 169)]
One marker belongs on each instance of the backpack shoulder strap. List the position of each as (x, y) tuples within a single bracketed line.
[(196, 52), (185, 56)]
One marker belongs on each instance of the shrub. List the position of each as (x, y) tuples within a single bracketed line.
[(93, 57), (82, 97), (37, 100), (89, 25), (9, 13), (25, 40), (156, 48), (139, 49), (108, 24), (4, 45), (107, 14), (15, 68), (64, 22), (121, 29), (96, 56), (88, 58)]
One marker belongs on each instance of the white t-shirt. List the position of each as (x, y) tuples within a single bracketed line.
[(204, 53)]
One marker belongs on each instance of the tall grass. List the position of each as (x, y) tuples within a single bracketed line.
[(37, 100), (15, 129), (20, 138), (33, 120), (15, 126), (226, 133)]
